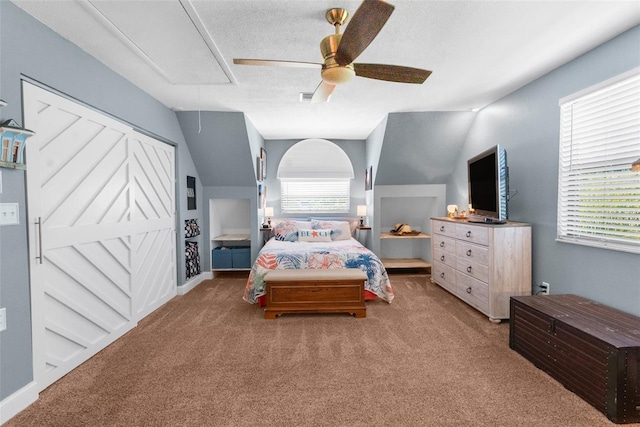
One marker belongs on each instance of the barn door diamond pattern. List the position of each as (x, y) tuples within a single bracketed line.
[(105, 196), (153, 204)]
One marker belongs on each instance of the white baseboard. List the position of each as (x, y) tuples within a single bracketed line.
[(18, 401), (194, 281)]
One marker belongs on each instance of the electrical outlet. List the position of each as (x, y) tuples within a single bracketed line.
[(9, 214), (546, 288), (3, 319)]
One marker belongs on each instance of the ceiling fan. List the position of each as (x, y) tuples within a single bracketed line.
[(340, 50)]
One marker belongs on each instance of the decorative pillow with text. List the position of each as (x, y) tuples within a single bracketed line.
[(314, 235)]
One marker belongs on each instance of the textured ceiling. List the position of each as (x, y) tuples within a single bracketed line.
[(181, 52)]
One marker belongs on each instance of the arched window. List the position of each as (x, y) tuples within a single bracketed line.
[(315, 177)]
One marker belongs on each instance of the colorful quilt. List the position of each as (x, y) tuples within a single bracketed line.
[(280, 255)]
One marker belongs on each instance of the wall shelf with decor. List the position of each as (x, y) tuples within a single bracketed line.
[(191, 248), (11, 165), (13, 140)]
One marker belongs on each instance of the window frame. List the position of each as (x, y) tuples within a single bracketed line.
[(313, 204), (595, 165)]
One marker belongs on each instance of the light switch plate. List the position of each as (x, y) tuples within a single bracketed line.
[(3, 319), (9, 213)]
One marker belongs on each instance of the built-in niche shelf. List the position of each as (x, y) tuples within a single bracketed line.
[(405, 263), (408, 204), (230, 224)]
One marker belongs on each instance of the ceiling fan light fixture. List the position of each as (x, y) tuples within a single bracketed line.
[(338, 75)]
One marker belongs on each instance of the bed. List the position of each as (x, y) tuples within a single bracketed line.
[(316, 245)]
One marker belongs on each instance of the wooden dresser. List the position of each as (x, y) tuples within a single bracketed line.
[(592, 349), (482, 264)]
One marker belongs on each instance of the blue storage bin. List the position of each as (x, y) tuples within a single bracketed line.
[(221, 257), (241, 257)]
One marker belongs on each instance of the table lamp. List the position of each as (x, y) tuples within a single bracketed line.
[(268, 212), (361, 211)]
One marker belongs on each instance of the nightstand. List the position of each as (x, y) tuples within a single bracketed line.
[(362, 234), (266, 234)]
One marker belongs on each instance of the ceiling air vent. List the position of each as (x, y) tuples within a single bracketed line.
[(306, 96)]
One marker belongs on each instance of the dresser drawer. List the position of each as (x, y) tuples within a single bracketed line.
[(444, 257), (473, 269), (444, 276), (443, 227), (473, 233), (444, 244), (473, 291), (472, 252)]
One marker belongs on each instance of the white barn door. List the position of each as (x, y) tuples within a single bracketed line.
[(102, 229), (153, 242)]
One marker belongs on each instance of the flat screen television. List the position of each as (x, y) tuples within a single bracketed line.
[(488, 175)]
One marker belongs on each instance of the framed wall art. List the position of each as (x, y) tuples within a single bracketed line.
[(191, 193), (263, 164), (368, 176)]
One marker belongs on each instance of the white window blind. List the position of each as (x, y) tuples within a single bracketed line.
[(598, 193), (315, 196)]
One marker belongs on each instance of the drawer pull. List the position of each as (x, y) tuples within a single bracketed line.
[(469, 290), (442, 258), (469, 269), (442, 244), (469, 252), (469, 233), (442, 228), (442, 275)]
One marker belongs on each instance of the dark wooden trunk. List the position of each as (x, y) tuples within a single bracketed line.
[(592, 349)]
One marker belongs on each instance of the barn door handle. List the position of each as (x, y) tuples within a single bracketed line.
[(39, 224)]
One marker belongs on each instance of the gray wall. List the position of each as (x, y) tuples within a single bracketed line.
[(421, 148), (355, 149), (526, 123), (225, 147), (218, 142), (31, 49)]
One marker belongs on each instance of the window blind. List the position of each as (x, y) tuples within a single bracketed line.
[(315, 196), (598, 193)]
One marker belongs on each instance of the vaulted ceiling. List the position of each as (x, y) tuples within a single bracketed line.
[(181, 52)]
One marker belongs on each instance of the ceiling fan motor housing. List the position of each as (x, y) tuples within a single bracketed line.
[(332, 72)]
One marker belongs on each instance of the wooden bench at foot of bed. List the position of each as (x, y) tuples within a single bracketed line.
[(315, 291)]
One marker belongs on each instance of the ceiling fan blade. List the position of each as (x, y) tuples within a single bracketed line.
[(322, 92), (391, 73), (364, 26), (273, 63)]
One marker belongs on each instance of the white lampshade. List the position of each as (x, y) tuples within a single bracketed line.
[(361, 210), (268, 211)]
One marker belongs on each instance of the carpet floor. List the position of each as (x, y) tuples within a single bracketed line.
[(210, 359)]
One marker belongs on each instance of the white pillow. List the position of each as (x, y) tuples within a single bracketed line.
[(314, 235)]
